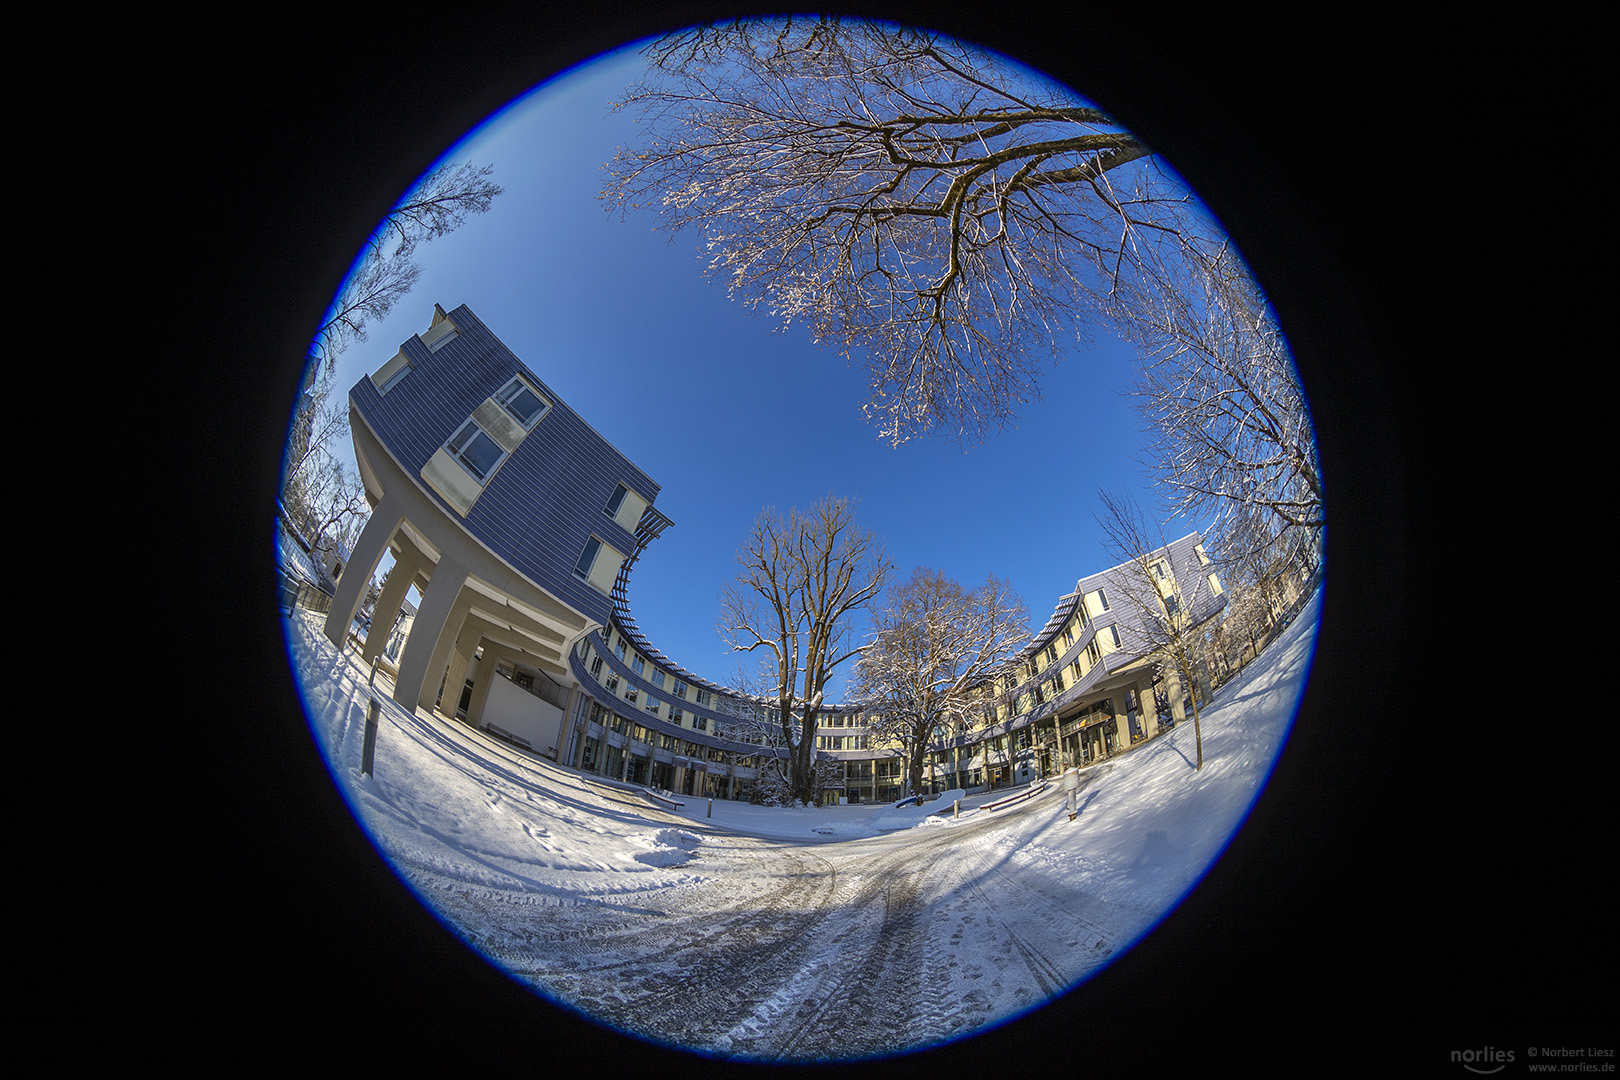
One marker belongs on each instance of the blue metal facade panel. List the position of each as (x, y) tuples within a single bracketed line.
[(547, 497)]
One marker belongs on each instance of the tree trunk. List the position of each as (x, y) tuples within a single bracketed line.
[(1198, 728), (915, 767)]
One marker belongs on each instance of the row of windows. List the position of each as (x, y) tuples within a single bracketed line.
[(608, 720), (1017, 700), (1075, 626), (658, 679)]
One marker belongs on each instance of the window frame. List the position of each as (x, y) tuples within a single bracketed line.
[(513, 386), (457, 452), (584, 565), (395, 379)]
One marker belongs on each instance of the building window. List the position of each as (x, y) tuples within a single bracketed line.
[(582, 569), (630, 695), (612, 507), (1114, 633), (700, 723), (703, 697), (619, 650), (596, 667), (476, 451), (518, 398), (680, 690), (440, 334), (1102, 598), (639, 666), (394, 379), (1203, 557), (657, 679), (652, 704), (675, 716)]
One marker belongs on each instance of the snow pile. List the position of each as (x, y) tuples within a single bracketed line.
[(666, 847), (906, 814), (909, 815)]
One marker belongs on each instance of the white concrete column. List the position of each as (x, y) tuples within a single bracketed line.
[(573, 726), (461, 654), (439, 662), (1178, 694), (1122, 720), (389, 604), (1147, 709), (494, 656), (351, 589), (415, 663), (1202, 682)]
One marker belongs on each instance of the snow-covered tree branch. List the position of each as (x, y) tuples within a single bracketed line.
[(1232, 438), (958, 218)]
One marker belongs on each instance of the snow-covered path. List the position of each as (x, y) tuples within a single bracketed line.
[(747, 933)]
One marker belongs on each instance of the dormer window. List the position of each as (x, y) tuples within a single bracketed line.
[(440, 334)]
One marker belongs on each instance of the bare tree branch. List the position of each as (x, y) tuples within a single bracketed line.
[(1164, 610), (441, 203), (799, 581), (935, 647)]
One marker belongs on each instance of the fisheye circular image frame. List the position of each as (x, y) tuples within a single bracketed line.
[(561, 784)]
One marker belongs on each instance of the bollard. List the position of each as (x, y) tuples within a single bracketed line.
[(711, 809), (956, 808), (368, 749)]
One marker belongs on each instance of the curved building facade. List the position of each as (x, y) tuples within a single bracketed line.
[(519, 525)]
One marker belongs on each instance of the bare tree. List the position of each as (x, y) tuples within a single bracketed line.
[(326, 502), (800, 580), (443, 201), (1232, 438), (322, 499), (1163, 624), (320, 422), (935, 647), (958, 217)]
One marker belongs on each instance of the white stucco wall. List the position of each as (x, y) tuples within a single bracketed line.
[(518, 712)]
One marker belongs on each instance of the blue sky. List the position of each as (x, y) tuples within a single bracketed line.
[(729, 414)]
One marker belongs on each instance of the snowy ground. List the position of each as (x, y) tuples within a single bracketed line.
[(794, 934)]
